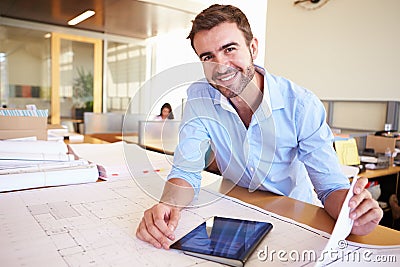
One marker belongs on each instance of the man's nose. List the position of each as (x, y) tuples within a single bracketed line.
[(221, 64), (220, 58)]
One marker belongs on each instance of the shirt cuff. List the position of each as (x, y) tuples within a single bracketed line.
[(193, 178), (324, 194)]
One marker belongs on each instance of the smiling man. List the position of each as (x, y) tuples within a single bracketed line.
[(267, 133)]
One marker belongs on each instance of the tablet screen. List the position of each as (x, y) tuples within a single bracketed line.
[(224, 237)]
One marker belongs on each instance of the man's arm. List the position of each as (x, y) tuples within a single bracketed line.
[(317, 153), (160, 221), (366, 212)]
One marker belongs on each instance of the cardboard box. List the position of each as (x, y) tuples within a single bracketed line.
[(380, 143), (20, 126)]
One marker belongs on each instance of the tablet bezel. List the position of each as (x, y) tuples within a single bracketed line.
[(229, 224)]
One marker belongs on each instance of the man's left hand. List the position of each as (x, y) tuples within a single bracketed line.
[(366, 212)]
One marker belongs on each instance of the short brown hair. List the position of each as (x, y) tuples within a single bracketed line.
[(217, 14)]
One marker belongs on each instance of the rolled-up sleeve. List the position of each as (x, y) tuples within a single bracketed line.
[(194, 142)]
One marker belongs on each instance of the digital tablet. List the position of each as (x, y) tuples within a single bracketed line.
[(224, 240)]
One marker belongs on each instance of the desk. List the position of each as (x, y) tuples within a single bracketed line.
[(157, 146), (95, 223), (311, 215), (388, 180), (109, 137), (382, 172), (392, 170), (74, 125), (160, 147), (88, 139)]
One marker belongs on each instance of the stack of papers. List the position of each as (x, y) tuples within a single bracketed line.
[(346, 150), (57, 133), (30, 164)]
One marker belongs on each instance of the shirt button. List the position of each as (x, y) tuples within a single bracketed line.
[(251, 169)]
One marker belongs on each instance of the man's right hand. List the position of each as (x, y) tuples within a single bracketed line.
[(158, 225), (160, 221)]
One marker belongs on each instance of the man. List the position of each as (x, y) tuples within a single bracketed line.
[(282, 143)]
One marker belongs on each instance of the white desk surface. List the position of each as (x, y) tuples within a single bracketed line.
[(94, 224)]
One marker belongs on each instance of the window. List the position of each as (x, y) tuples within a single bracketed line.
[(126, 71)]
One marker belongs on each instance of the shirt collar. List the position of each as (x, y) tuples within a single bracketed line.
[(270, 93), (276, 99)]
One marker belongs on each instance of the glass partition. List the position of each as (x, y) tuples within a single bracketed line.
[(126, 72), (76, 79), (24, 68), (26, 72), (161, 136)]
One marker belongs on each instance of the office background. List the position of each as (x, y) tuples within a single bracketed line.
[(345, 51)]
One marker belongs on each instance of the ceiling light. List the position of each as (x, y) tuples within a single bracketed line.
[(85, 15)]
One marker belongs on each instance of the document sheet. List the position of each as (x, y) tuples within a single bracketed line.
[(94, 225), (26, 164)]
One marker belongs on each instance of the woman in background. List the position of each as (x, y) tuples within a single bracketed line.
[(165, 112)]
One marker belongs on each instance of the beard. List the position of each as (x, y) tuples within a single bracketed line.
[(235, 85)]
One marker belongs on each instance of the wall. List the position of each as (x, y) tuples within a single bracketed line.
[(346, 50)]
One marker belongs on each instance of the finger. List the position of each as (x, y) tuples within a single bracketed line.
[(360, 185), (355, 200), (366, 223), (173, 221), (144, 235), (365, 206), (373, 215), (161, 221), (157, 228)]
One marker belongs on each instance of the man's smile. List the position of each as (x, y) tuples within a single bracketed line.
[(226, 77)]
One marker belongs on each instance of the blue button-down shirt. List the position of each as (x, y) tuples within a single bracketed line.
[(287, 148)]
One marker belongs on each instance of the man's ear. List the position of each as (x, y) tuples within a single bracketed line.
[(254, 48)]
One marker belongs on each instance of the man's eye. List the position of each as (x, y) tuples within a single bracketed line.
[(229, 49), (206, 58)]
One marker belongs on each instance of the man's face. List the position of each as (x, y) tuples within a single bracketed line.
[(227, 60)]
